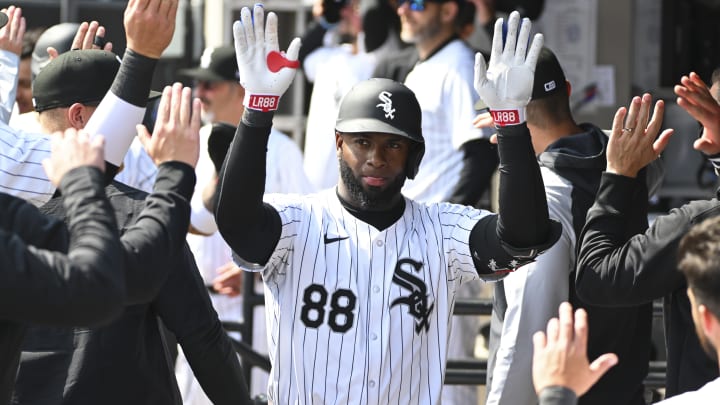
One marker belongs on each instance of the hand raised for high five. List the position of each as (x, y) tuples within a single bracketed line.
[(694, 96), (11, 35), (560, 355), (265, 72), (150, 25), (88, 36), (176, 136), (634, 141), (506, 84)]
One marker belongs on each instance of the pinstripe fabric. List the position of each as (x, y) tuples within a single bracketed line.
[(358, 316), (21, 172)]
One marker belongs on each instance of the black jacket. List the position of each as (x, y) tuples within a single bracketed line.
[(616, 269), (84, 287), (127, 362)]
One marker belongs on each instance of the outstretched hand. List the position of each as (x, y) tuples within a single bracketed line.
[(634, 141), (71, 149), (11, 35), (265, 72), (506, 84), (694, 96), (176, 136), (560, 355), (88, 36), (150, 25)]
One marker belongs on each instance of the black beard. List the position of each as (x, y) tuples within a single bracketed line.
[(373, 197)]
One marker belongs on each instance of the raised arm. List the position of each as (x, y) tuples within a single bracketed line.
[(11, 37), (84, 287), (149, 27), (185, 308), (160, 229), (615, 267), (522, 228), (694, 96), (250, 227)]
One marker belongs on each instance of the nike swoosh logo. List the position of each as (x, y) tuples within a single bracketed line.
[(333, 240)]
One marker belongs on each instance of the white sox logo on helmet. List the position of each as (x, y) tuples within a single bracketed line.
[(386, 104)]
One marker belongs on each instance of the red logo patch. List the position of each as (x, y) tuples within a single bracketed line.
[(277, 61)]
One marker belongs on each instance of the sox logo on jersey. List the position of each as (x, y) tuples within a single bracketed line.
[(418, 298), (361, 316)]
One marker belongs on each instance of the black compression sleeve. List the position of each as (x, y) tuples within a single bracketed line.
[(524, 220), (557, 395), (132, 82), (251, 228), (480, 159)]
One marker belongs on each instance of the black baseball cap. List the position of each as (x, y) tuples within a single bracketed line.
[(216, 65), (3, 19), (79, 76), (549, 76)]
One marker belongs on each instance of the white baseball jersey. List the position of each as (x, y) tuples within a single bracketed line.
[(9, 68), (24, 149), (443, 85), (21, 171), (361, 316), (139, 170)]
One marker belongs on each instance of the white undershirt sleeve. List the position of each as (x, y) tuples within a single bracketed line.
[(115, 119)]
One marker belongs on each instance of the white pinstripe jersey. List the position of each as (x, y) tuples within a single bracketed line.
[(359, 316), (22, 152), (21, 171)]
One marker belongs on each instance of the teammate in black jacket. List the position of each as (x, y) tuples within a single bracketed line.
[(126, 361), (615, 269), (83, 287)]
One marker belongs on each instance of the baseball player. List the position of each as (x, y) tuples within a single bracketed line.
[(360, 281), (148, 29)]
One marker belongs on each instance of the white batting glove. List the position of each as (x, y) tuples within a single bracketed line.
[(506, 86), (265, 72)]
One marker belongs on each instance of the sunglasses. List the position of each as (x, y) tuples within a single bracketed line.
[(418, 5)]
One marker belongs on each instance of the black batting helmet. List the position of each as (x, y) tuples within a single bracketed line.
[(388, 107)]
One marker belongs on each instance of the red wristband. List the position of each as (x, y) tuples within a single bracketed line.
[(261, 102), (508, 117)]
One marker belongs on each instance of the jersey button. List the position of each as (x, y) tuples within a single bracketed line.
[(373, 336), (371, 384), (376, 289), (379, 243)]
